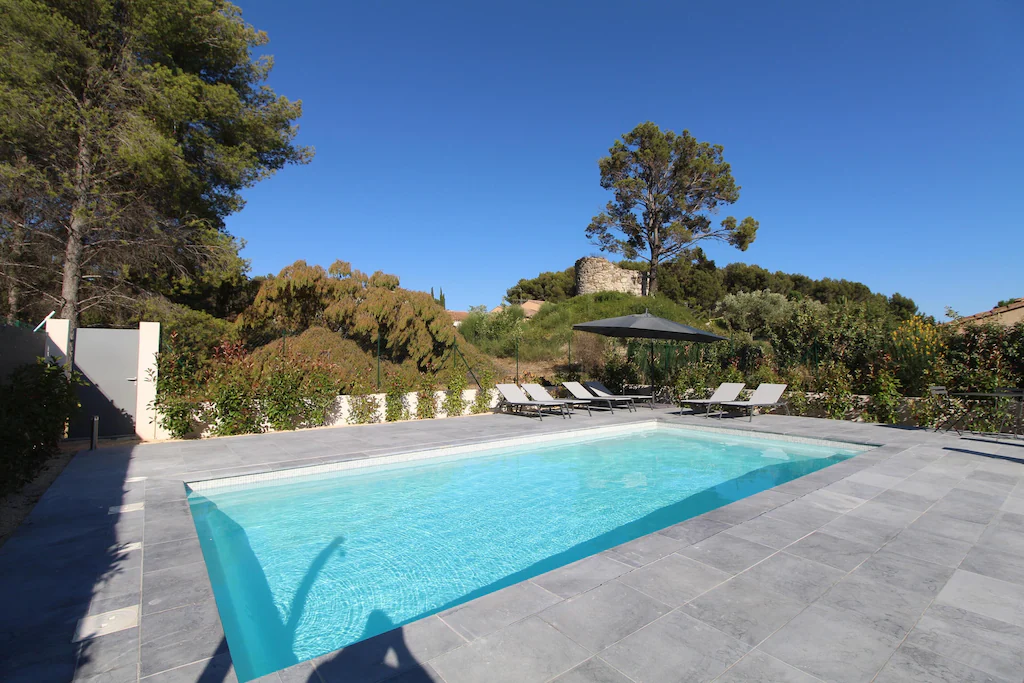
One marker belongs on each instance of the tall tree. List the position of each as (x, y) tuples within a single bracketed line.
[(135, 125), (667, 189)]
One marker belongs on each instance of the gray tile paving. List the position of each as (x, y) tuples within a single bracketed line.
[(604, 615), (921, 538)]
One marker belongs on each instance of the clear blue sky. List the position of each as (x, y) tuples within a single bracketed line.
[(457, 142)]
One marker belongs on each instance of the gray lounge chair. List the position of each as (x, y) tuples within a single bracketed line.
[(726, 391), (515, 400), (539, 393), (765, 396), (579, 392), (601, 390)]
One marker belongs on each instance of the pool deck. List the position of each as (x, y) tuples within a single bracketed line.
[(902, 563)]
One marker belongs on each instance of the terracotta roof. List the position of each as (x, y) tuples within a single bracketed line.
[(458, 316), (1019, 303), (530, 307)]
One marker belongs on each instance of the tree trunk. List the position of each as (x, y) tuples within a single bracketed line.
[(13, 286), (76, 228)]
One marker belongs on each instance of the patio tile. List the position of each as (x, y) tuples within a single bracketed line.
[(929, 547), (803, 514), (304, 672), (674, 579), (1003, 537), (775, 533), (984, 595), (878, 605), (885, 513), (604, 615), (580, 576), (988, 561), (180, 636), (694, 530), (738, 512), (875, 478), (594, 670), (687, 650), (968, 505), (986, 644), (728, 553), (866, 531), (821, 642), (841, 553), (498, 609), (796, 578), (526, 652), (910, 501), (916, 665), (379, 658), (175, 587), (744, 609), (950, 527), (904, 572), (114, 656), (832, 500), (848, 487), (759, 667), (644, 550), (217, 669)]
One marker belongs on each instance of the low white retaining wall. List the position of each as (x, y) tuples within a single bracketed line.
[(411, 402)]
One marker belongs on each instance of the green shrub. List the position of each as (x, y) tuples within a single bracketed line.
[(363, 408), (834, 382), (36, 402), (691, 381), (886, 400), (482, 403), (396, 404), (426, 397), (454, 404), (232, 393)]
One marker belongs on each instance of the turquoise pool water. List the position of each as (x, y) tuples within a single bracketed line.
[(306, 566)]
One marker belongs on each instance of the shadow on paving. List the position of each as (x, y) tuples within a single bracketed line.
[(67, 560)]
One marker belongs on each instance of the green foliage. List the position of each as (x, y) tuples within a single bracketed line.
[(298, 392), (1007, 302), (834, 381), (494, 333), (886, 400), (395, 401), (756, 312), (666, 189), (482, 402), (619, 372), (363, 408), (412, 325), (553, 287), (454, 404), (916, 349), (426, 397), (130, 130), (231, 395), (36, 402)]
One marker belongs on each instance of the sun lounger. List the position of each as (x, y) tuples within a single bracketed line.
[(515, 400), (765, 396), (601, 390), (539, 393), (579, 392), (727, 391)]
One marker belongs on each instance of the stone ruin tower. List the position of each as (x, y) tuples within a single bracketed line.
[(594, 274)]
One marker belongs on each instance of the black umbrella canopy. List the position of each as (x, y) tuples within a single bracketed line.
[(646, 326)]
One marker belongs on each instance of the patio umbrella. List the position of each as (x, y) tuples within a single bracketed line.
[(646, 326)]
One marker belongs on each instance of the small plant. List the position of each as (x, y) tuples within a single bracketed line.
[(363, 407), (885, 402), (231, 390), (482, 403), (426, 397), (396, 404), (692, 381), (454, 404), (834, 382)]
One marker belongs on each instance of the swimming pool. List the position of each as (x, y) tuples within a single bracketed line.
[(306, 565)]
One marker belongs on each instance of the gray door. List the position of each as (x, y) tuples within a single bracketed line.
[(109, 361)]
